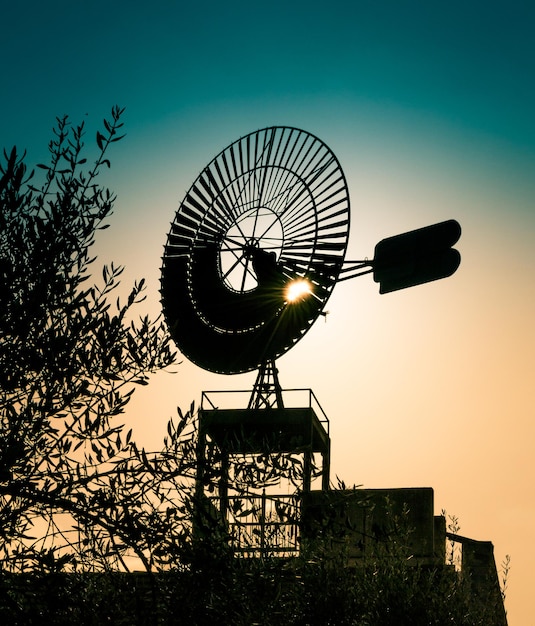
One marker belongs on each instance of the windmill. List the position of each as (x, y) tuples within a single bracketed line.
[(253, 254)]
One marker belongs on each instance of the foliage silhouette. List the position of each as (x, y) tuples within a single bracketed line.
[(75, 491)]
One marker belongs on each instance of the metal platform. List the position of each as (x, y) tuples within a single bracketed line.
[(300, 426)]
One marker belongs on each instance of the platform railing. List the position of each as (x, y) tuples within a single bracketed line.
[(293, 398)]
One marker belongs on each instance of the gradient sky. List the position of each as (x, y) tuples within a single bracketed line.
[(429, 107)]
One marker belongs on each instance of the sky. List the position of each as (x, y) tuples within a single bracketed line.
[(429, 110)]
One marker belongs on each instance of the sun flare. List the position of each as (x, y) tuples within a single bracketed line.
[(298, 289)]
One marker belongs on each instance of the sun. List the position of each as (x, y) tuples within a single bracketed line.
[(298, 289)]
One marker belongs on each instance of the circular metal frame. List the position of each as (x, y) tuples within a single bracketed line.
[(270, 208)]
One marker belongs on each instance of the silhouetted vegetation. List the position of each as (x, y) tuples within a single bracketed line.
[(81, 505), (75, 491), (242, 592)]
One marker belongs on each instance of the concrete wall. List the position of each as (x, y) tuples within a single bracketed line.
[(364, 521)]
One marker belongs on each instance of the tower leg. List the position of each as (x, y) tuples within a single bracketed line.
[(267, 392), (307, 470), (326, 467)]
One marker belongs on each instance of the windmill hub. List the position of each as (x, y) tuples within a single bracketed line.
[(257, 228)]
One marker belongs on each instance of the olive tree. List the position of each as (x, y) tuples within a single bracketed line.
[(75, 490)]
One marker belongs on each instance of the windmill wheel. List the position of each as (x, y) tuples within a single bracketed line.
[(268, 212)]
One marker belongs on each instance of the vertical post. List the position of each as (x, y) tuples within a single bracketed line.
[(200, 503), (326, 467), (223, 486), (201, 461), (263, 523), (307, 469)]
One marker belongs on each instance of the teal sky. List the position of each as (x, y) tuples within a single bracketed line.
[(466, 64), (429, 107)]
